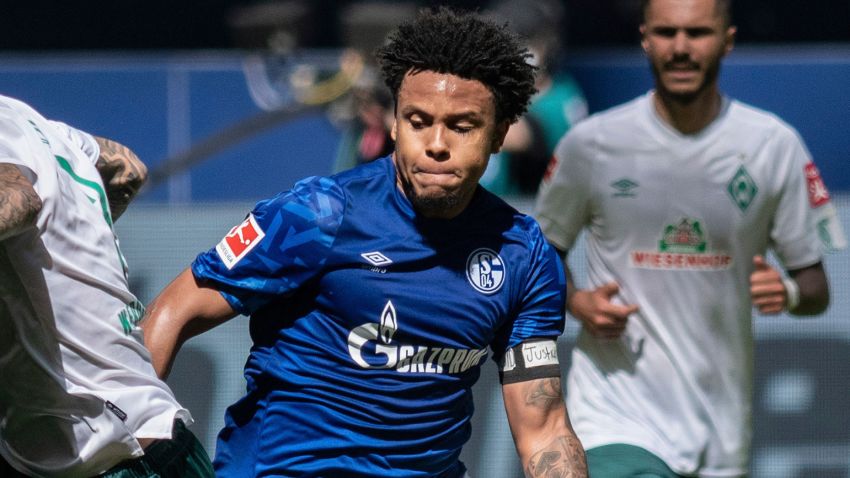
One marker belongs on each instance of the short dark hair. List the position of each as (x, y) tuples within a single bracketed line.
[(466, 45), (723, 6)]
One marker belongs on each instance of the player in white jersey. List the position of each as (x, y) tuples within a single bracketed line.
[(682, 191), (79, 394)]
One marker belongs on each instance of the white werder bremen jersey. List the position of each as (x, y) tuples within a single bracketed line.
[(78, 387), (675, 220)]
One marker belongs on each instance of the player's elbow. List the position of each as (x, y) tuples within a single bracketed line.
[(32, 208), (25, 206), (139, 172)]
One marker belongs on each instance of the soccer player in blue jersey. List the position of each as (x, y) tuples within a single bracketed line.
[(376, 294)]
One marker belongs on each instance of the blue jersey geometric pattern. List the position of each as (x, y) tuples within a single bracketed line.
[(370, 325)]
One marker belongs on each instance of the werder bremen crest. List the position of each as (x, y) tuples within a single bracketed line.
[(742, 188), (686, 236)]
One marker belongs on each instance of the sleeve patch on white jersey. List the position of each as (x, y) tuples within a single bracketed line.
[(550, 168), (239, 241), (818, 194)]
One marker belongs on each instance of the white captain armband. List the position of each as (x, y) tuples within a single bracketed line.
[(529, 361)]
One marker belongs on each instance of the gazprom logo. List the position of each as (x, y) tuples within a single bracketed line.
[(372, 346), (485, 270)]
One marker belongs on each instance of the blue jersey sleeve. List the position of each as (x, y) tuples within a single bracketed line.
[(541, 312), (283, 243)]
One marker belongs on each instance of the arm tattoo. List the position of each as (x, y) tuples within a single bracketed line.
[(123, 174), (544, 393), (563, 458), (19, 203)]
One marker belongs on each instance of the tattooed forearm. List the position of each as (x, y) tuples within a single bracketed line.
[(123, 174), (19, 203), (563, 458), (545, 441), (544, 393)]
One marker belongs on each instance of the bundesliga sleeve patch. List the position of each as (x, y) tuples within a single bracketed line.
[(239, 241), (551, 166), (529, 361), (818, 194)]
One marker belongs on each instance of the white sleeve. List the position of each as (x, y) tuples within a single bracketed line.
[(563, 202), (794, 235), (79, 139)]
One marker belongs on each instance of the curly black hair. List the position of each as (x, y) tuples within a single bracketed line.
[(466, 45)]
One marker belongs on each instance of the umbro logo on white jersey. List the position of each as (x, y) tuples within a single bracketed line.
[(625, 187), (376, 258)]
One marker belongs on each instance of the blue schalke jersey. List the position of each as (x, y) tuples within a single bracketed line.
[(370, 324)]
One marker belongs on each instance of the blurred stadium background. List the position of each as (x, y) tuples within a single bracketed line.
[(230, 102)]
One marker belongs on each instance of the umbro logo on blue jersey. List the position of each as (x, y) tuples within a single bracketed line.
[(376, 258)]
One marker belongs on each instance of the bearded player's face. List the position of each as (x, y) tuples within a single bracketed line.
[(685, 41)]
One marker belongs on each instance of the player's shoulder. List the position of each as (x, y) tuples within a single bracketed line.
[(20, 129), (10, 106), (615, 118), (12, 112), (330, 196), (528, 226), (495, 211), (372, 172), (489, 207), (367, 174), (530, 237), (310, 198), (617, 126), (17, 118), (746, 117), (15, 110)]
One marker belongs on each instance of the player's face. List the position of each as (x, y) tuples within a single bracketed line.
[(445, 130), (685, 41)]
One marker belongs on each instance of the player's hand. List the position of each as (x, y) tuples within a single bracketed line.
[(599, 316), (766, 288)]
